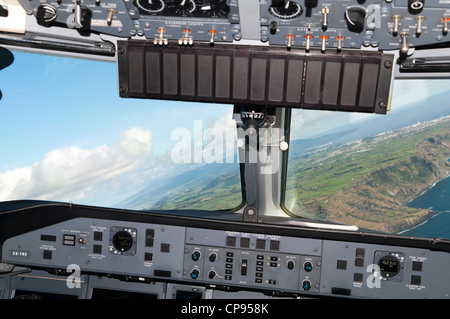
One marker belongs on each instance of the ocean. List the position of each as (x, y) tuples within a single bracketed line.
[(436, 198)]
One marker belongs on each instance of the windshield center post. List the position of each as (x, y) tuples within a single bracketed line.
[(260, 136)]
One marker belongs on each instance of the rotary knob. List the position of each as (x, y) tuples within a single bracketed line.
[(290, 264), (211, 274), (195, 273), (306, 285), (213, 257), (195, 255), (308, 266), (46, 14), (355, 17)]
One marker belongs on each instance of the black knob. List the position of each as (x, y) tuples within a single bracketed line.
[(355, 17), (196, 255), (82, 17), (212, 274), (311, 3), (278, 3), (290, 264), (415, 6), (212, 257), (307, 266), (46, 14), (306, 285), (86, 17), (195, 273)]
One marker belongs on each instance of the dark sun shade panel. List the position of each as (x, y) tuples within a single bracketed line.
[(352, 81)]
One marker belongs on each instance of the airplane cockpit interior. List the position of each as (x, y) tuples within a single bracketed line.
[(224, 149)]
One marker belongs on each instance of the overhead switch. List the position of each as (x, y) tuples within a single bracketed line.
[(355, 17), (46, 14), (311, 3)]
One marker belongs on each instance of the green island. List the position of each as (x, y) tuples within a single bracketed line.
[(367, 182)]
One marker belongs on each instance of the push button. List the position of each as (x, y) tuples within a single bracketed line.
[(68, 240), (47, 254), (416, 280)]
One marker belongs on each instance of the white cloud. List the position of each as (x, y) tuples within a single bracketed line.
[(68, 173), (409, 92), (312, 123)]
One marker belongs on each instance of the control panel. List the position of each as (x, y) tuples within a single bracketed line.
[(272, 260), (371, 24), (257, 261), (158, 20), (325, 25)]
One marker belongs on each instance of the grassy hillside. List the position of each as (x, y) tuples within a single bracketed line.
[(223, 192), (366, 183)]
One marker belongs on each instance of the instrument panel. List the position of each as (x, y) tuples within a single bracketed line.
[(381, 25), (158, 20), (326, 25), (221, 256)]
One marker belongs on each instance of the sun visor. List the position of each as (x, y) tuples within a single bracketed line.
[(352, 81), (6, 59)]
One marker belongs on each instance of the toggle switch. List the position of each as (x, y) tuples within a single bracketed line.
[(396, 18), (419, 21), (325, 12), (273, 26), (324, 43), (289, 40), (111, 13), (186, 39), (308, 38), (212, 34), (244, 266), (160, 40), (445, 20), (339, 44), (404, 46)]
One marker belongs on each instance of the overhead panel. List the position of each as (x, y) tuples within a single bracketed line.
[(237, 74)]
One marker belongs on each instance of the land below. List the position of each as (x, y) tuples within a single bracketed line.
[(367, 182)]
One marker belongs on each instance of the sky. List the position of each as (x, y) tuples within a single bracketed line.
[(65, 134)]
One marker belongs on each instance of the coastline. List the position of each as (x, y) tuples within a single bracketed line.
[(432, 215), (424, 191)]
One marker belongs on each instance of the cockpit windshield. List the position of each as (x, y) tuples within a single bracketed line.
[(381, 172), (66, 135)]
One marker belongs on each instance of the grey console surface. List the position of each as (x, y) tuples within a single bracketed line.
[(233, 256)]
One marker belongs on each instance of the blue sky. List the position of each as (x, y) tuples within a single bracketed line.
[(51, 101), (58, 112)]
